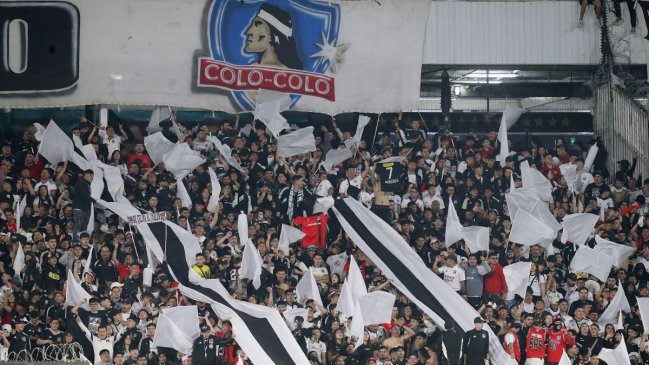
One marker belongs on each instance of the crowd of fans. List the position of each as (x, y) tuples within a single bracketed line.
[(438, 170)]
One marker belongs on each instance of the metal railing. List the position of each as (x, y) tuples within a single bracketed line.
[(66, 353), (623, 125)]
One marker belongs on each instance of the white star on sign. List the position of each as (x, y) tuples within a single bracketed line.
[(331, 53)]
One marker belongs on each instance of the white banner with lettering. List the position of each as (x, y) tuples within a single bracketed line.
[(330, 56)]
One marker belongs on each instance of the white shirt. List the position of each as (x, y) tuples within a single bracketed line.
[(98, 345), (49, 184), (357, 181), (336, 263), (535, 282), (428, 201), (406, 200), (453, 276), (319, 347), (202, 146), (112, 144), (319, 271)]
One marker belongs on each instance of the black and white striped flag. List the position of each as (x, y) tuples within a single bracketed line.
[(399, 263), (260, 331)]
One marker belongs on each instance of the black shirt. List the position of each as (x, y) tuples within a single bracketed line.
[(82, 198), (49, 335)]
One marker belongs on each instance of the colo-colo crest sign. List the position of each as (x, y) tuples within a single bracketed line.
[(280, 45)]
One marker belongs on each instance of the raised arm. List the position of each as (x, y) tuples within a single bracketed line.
[(84, 329)]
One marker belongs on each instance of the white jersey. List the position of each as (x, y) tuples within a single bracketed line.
[(453, 276)]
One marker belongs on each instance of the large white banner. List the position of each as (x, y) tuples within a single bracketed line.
[(330, 56)]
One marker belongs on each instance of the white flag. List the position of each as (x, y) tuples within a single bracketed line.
[(593, 262), (216, 191), (363, 120), (91, 221), (113, 177), (565, 360), (307, 288), (291, 314), (268, 108), (377, 307), (56, 146), (619, 303), (619, 252), (251, 264), (159, 114), (353, 289), (372, 308), (528, 230), (516, 276), (335, 157), (181, 160), (323, 204), (156, 146), (643, 307), (88, 152), (476, 237), (512, 183), (226, 152), (242, 228), (569, 172), (296, 143), (542, 212), (522, 198), (287, 236), (453, 231), (75, 293), (357, 328), (617, 356), (177, 328), (40, 132), (86, 268), (536, 181), (183, 194), (509, 118), (19, 260), (20, 210), (590, 158), (577, 227)]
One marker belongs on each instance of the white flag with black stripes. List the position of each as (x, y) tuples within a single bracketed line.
[(399, 263)]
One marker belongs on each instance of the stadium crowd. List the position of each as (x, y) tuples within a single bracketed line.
[(559, 311)]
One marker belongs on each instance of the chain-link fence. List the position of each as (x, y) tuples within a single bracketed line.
[(66, 353)]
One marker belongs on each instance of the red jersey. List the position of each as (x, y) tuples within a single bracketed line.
[(557, 342), (144, 159), (227, 351), (315, 228), (536, 343), (516, 346)]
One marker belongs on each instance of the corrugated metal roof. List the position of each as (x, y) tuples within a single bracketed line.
[(512, 33)]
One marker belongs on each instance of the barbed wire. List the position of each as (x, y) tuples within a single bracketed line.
[(50, 353), (619, 50)]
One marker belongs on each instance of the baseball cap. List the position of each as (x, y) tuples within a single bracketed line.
[(116, 285), (478, 320)]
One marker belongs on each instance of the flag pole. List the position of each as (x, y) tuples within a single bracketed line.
[(376, 130)]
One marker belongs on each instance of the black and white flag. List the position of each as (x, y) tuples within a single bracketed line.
[(260, 331), (399, 263)]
